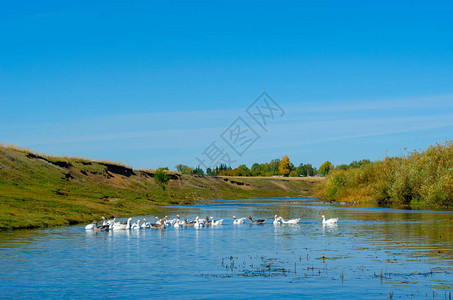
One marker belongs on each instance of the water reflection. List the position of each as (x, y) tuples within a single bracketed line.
[(329, 227)]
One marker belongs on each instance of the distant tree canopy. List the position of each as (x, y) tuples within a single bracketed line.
[(218, 169), (183, 169), (257, 170), (354, 164), (208, 171), (275, 167), (306, 170), (284, 167), (243, 170), (198, 171), (186, 170), (324, 169)]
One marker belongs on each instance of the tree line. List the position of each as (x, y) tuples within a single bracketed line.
[(276, 167)]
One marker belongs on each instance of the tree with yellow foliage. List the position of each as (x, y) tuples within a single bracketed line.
[(283, 167)]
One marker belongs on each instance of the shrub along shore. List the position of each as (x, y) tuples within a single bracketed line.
[(418, 179), (39, 191)]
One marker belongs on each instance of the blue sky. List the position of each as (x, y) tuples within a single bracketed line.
[(152, 83)]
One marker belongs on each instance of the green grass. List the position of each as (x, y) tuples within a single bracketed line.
[(38, 191)]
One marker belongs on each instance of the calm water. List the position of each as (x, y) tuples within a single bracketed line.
[(372, 253)]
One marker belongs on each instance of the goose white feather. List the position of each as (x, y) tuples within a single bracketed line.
[(145, 224), (238, 221), (198, 223), (177, 224), (216, 223), (136, 226), (290, 222), (111, 223), (91, 226), (329, 221), (119, 226)]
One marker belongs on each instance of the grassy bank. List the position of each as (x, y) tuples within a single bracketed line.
[(416, 179), (41, 191)]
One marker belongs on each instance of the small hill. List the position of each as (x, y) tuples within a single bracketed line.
[(40, 190)]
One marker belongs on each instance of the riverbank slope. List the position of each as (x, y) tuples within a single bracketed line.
[(40, 191), (418, 179)]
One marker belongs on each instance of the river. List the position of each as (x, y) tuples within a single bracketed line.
[(372, 253)]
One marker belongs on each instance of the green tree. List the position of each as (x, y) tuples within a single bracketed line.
[(161, 177), (199, 171), (355, 164), (223, 167), (242, 170), (272, 167), (293, 174), (183, 169), (305, 170), (343, 167), (208, 172), (324, 169), (257, 170), (358, 164), (284, 166), (302, 170)]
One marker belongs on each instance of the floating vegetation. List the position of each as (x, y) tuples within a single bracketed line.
[(441, 284), (386, 275), (256, 266), (296, 267), (402, 283)]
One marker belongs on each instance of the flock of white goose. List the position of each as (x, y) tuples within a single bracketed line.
[(197, 223)]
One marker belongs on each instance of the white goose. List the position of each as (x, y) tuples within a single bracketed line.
[(277, 221), (238, 221), (91, 226), (144, 224), (136, 226), (177, 224), (216, 223), (119, 226), (165, 221), (111, 223), (198, 223), (290, 222), (173, 221), (329, 221)]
